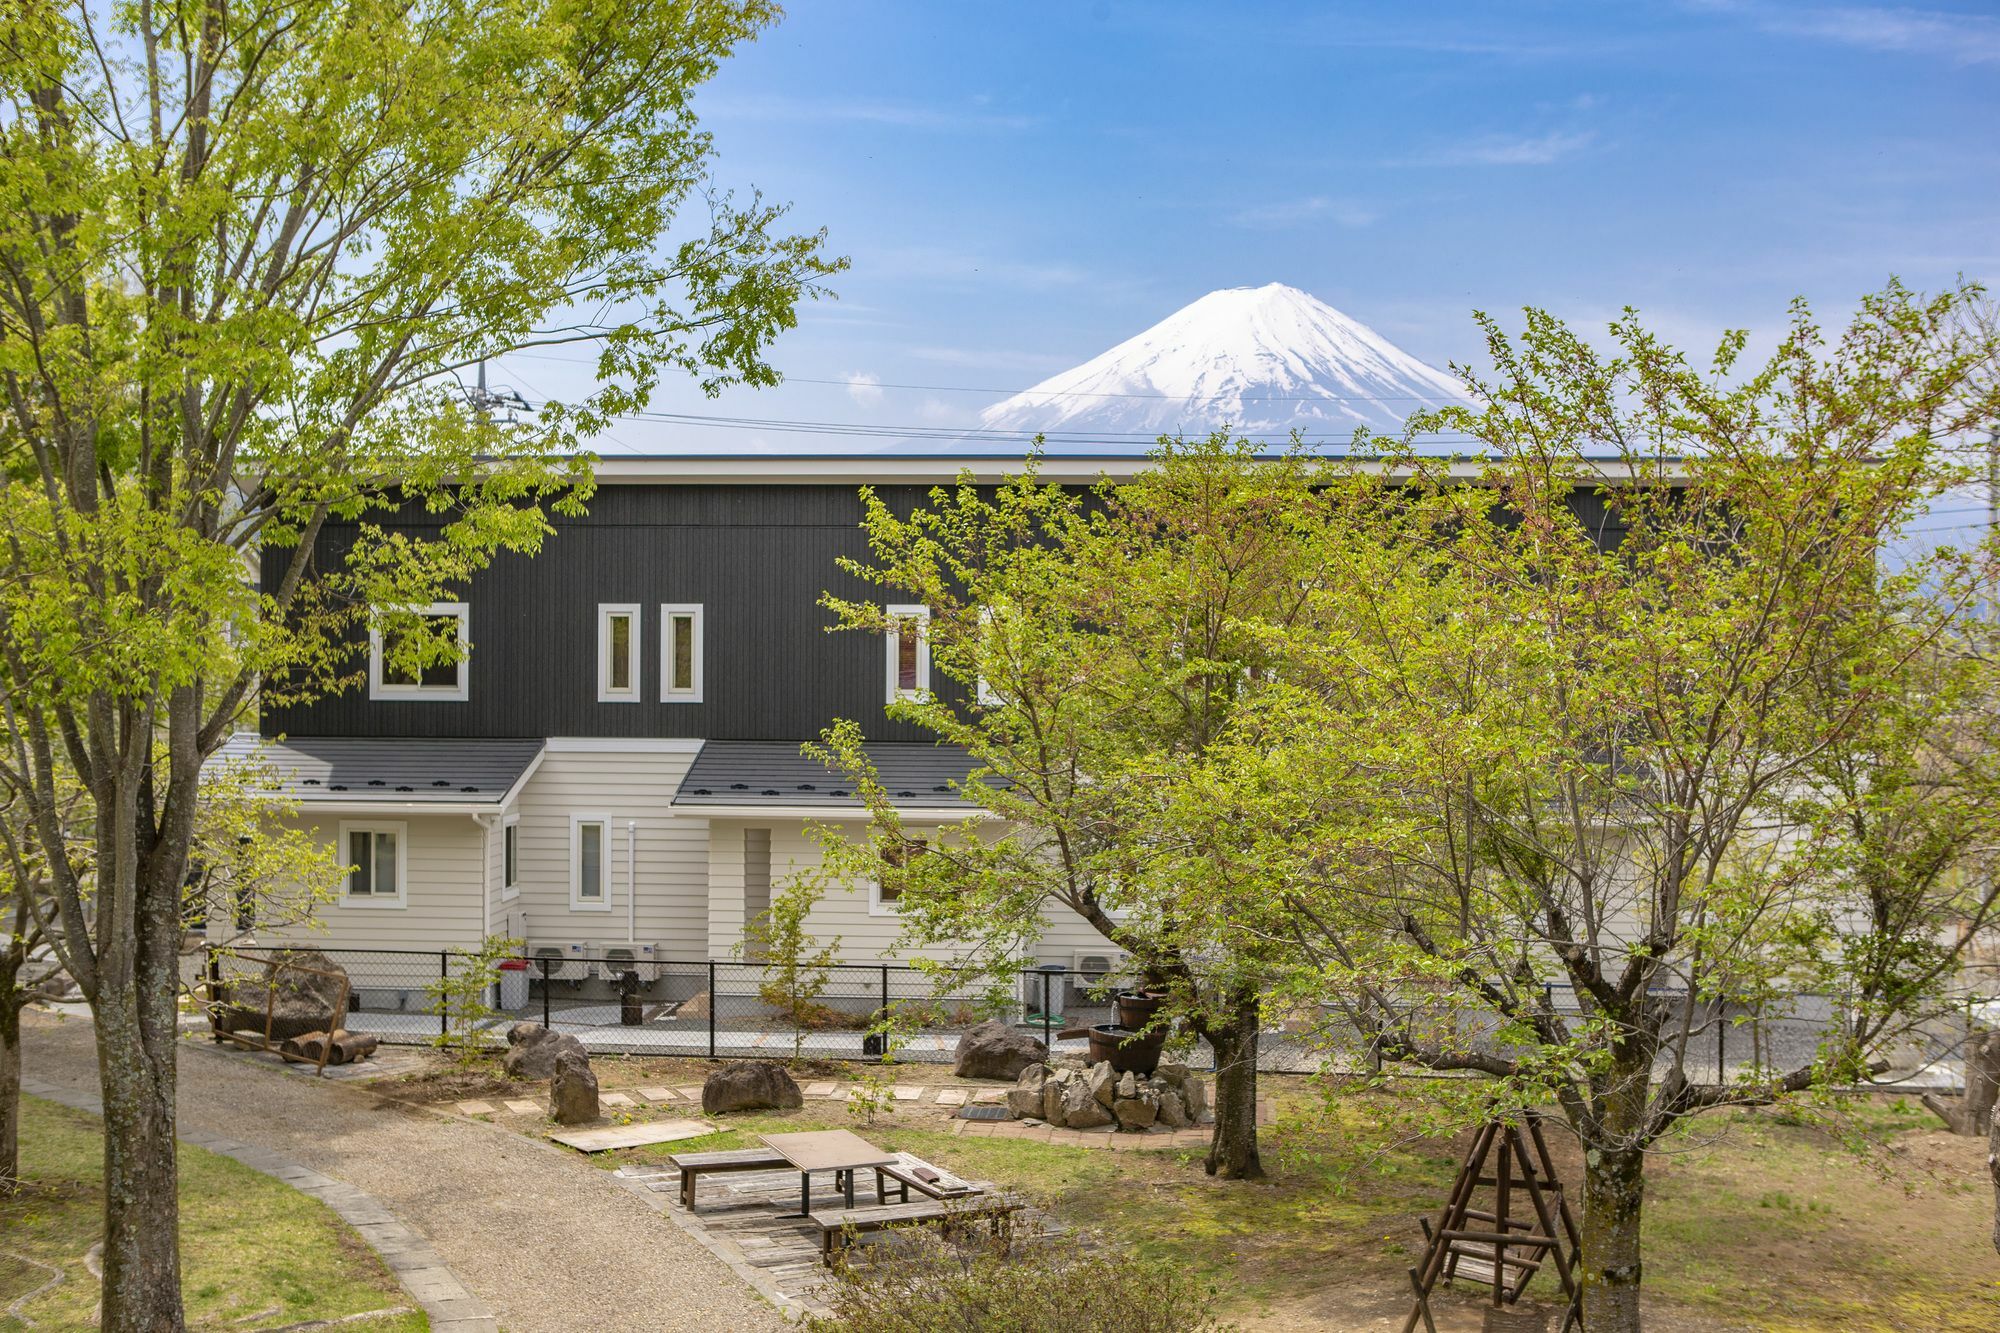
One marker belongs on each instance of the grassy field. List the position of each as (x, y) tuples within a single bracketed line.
[(1754, 1220), (255, 1253)]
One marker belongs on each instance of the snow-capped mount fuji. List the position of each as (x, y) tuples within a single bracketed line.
[(1262, 360)]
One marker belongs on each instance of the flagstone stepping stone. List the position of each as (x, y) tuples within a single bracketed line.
[(951, 1097), (691, 1094), (657, 1094), (616, 1099), (988, 1096), (475, 1108), (903, 1092), (634, 1136), (819, 1089), (520, 1107)]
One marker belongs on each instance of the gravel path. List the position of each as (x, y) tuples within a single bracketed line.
[(546, 1241)]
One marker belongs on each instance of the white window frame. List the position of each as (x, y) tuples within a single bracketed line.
[(668, 694), (635, 643), (893, 639), (577, 902), (378, 688), (984, 694), (876, 904), (510, 832), (401, 898)]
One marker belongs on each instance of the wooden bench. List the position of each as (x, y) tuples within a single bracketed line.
[(836, 1226), (694, 1165), (908, 1173)]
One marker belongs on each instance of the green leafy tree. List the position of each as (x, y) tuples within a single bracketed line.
[(246, 249), (797, 963), (1098, 645), (1643, 723), (463, 997)]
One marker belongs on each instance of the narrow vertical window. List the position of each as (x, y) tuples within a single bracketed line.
[(909, 652), (680, 653), (618, 653), (510, 858), (587, 883), (990, 650)]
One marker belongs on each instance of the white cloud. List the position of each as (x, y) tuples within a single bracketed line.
[(1962, 39), (1299, 212), (1510, 151), (864, 388)]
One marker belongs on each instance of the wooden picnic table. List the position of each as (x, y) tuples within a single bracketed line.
[(840, 1151)]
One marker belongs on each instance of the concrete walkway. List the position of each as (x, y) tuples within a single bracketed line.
[(539, 1238)]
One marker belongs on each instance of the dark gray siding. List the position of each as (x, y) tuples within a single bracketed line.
[(756, 557)]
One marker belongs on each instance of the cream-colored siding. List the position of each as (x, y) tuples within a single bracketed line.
[(866, 935), (632, 789), (442, 905)]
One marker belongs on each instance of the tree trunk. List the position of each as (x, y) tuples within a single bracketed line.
[(1232, 1151), (1969, 1114), (1614, 1196), (1993, 1170), (10, 1088), (142, 1272)]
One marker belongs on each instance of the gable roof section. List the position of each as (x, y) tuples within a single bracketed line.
[(770, 776), (392, 772)]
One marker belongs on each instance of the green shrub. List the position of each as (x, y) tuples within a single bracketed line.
[(922, 1281)]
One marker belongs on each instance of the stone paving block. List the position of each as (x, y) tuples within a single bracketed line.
[(692, 1094), (989, 1096), (903, 1092), (475, 1108), (657, 1094), (616, 1099), (818, 1090), (951, 1097), (522, 1106)]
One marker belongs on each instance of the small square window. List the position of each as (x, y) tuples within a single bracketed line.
[(896, 855), (376, 856), (391, 673), (680, 653)]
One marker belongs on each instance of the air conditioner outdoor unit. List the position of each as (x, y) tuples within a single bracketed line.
[(1091, 973), (560, 962), (616, 959)]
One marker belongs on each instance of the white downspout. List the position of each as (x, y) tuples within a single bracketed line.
[(631, 881), (485, 823)]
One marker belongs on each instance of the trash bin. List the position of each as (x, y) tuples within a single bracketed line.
[(514, 984)]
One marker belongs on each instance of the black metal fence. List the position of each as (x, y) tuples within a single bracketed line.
[(627, 1003)]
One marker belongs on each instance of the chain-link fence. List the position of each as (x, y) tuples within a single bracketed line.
[(624, 1002)]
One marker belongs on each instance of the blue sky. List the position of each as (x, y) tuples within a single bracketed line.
[(1020, 186)]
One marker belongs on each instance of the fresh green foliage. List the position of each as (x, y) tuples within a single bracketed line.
[(250, 246), (462, 997), (797, 962), (927, 1281), (1096, 648)]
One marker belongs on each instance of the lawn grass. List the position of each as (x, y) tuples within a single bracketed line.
[(1754, 1219), (254, 1251)]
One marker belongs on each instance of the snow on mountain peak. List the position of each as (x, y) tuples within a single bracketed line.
[(1261, 360)]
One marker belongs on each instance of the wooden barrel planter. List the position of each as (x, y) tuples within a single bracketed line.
[(1128, 1049)]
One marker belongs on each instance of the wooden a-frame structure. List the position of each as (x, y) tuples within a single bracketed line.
[(1500, 1246)]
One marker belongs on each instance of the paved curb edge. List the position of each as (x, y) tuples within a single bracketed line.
[(432, 1285)]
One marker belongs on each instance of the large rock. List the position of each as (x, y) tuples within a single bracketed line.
[(1194, 1094), (1103, 1083), (995, 1050), (573, 1089), (1024, 1099), (532, 1050), (299, 1001), (1173, 1113), (1052, 1095), (750, 1085), (1081, 1109), (1136, 1112)]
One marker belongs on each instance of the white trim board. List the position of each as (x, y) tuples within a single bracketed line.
[(623, 745)]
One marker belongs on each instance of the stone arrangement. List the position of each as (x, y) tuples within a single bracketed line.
[(996, 1050), (750, 1085), (532, 1050), (573, 1090), (1072, 1094)]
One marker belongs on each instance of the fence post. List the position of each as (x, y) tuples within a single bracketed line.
[(1048, 1042), (713, 1000), (1721, 1046), (444, 994), (545, 991), (884, 1017)]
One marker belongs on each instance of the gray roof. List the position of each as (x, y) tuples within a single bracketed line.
[(775, 773), (393, 770)]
